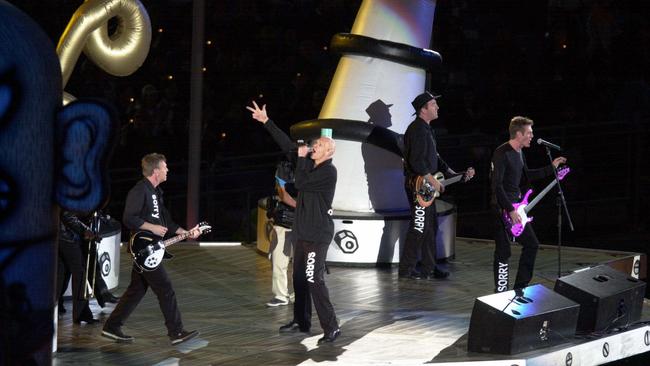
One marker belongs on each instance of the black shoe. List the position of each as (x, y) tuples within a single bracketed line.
[(109, 297), (293, 327), (183, 336), (106, 296), (116, 334), (519, 292), (277, 302), (100, 300), (330, 337), (437, 274), (412, 275)]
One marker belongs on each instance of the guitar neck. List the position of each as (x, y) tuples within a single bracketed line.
[(452, 180), (540, 196), (176, 239)]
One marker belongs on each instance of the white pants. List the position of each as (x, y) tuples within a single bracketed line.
[(281, 253)]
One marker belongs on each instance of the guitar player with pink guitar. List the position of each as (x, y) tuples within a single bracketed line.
[(508, 173)]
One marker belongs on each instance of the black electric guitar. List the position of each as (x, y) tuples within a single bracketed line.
[(424, 192), (148, 249), (523, 207)]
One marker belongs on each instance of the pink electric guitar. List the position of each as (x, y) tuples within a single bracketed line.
[(524, 207)]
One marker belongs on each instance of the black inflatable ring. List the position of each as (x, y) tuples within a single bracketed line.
[(348, 43), (351, 130)]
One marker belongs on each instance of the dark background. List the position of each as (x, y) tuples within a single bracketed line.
[(578, 68)]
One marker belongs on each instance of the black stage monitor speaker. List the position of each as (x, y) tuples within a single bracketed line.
[(608, 298), (510, 323)]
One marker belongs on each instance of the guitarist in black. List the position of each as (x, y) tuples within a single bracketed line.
[(145, 210), (509, 172), (72, 234), (421, 158)]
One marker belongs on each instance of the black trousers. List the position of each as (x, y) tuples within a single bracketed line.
[(309, 283), (161, 285), (71, 260), (421, 236), (530, 244)]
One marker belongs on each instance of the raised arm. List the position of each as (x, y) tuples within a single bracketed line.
[(258, 114), (280, 138)]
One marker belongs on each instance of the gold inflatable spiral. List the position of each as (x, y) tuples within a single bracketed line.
[(120, 53)]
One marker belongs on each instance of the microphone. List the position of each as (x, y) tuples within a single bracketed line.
[(549, 144), (299, 143)]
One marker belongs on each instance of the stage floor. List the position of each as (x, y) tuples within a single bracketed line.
[(384, 320)]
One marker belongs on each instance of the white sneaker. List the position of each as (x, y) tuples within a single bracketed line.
[(277, 302)]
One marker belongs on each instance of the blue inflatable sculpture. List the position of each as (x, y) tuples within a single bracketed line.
[(50, 157)]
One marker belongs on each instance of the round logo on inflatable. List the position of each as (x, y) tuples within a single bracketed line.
[(347, 241), (105, 263)]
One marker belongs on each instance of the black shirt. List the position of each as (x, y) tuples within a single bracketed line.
[(420, 153), (144, 203), (509, 173), (316, 186)]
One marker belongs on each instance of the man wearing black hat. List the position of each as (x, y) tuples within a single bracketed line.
[(421, 159)]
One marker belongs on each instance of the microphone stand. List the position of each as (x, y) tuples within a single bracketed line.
[(561, 205), (92, 253)]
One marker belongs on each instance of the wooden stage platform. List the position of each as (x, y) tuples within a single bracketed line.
[(384, 320)]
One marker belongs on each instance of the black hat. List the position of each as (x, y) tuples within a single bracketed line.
[(422, 99)]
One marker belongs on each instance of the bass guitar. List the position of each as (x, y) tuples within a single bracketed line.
[(425, 194), (148, 249), (523, 207)]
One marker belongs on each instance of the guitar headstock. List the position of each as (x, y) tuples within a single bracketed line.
[(468, 174), (562, 172), (204, 227)]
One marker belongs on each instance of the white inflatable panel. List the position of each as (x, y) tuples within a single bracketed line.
[(370, 238), (378, 91), (373, 238), (370, 178), (108, 256), (365, 240)]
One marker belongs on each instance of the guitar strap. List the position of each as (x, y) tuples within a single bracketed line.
[(525, 169), (163, 221), (509, 235), (411, 183), (159, 191)]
